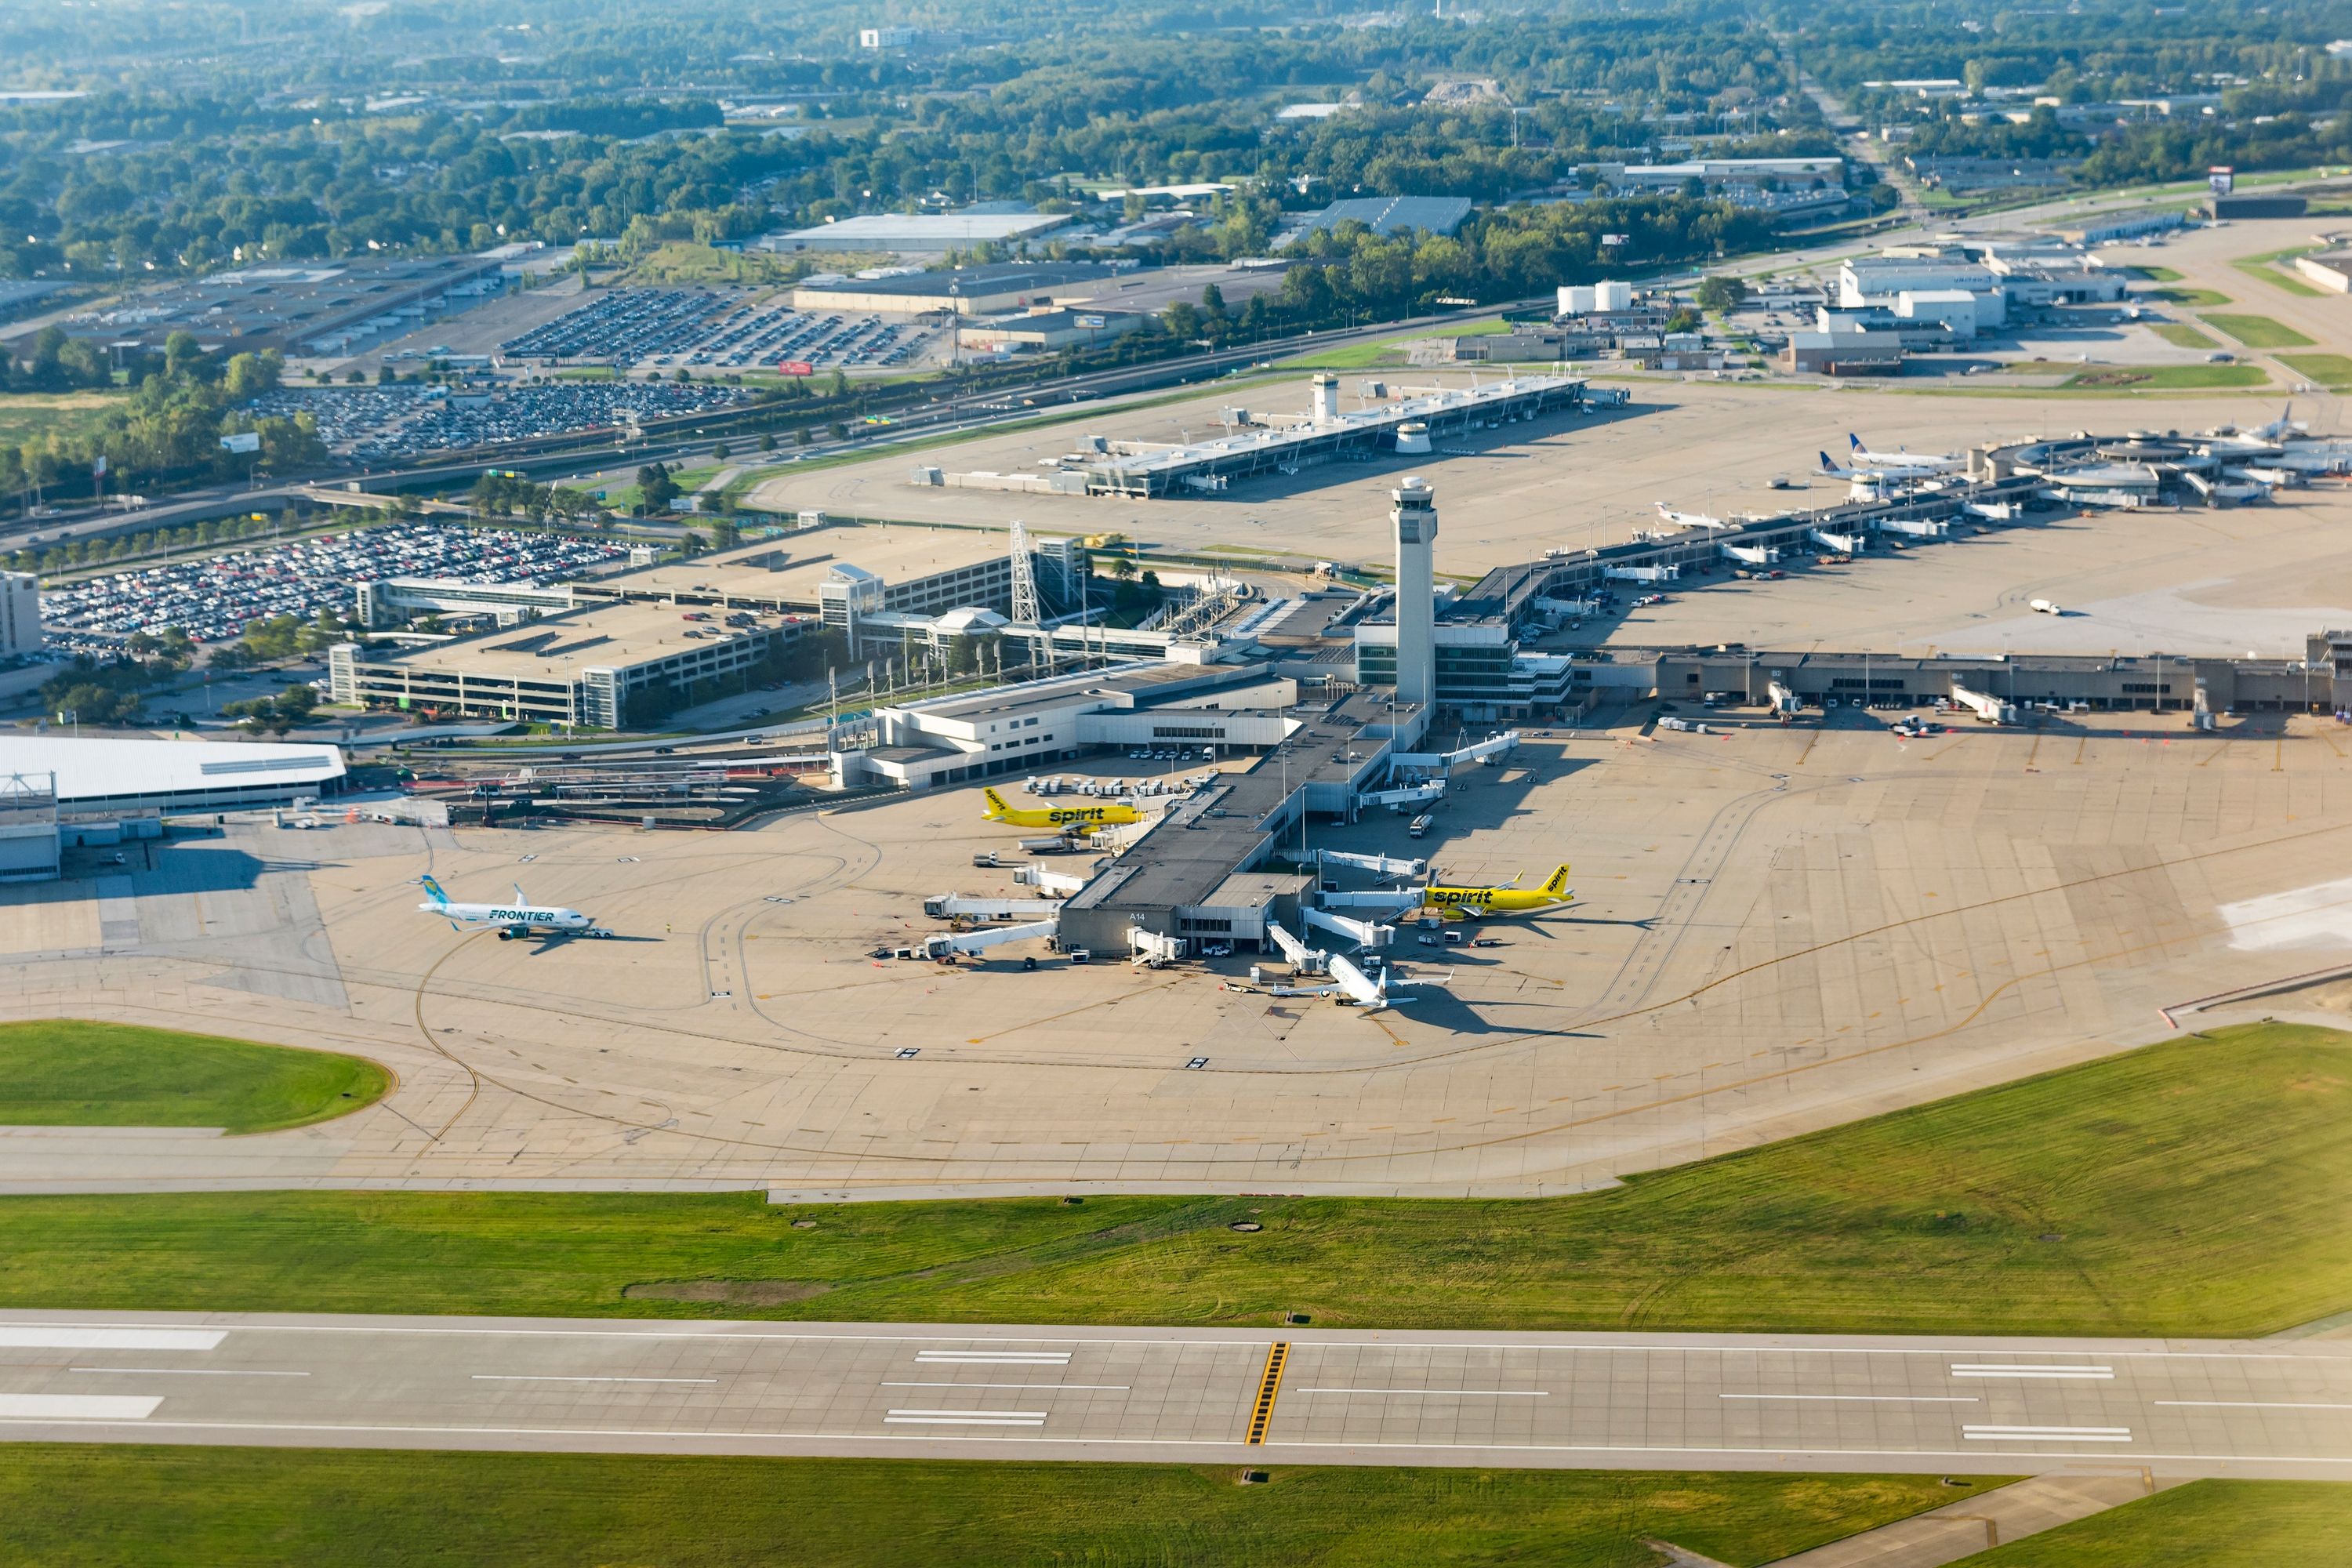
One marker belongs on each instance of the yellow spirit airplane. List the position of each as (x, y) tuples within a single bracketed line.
[(1061, 818), (1476, 903)]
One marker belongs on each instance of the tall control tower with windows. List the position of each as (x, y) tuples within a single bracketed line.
[(1414, 512)]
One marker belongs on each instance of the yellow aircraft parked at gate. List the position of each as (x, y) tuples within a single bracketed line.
[(1061, 818), (1476, 903)]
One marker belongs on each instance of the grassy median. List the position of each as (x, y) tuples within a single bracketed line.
[(2199, 1186), (2205, 1524), (74, 1506), (2256, 331), (64, 1072)]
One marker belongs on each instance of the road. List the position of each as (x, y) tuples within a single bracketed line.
[(1949, 1403), (565, 455)]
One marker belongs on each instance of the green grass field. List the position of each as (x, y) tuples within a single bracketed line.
[(2197, 1187), (2170, 377), (2269, 268), (37, 415), (2332, 371), (2201, 299), (68, 1073), (2205, 1524), (2257, 332), (2156, 274), (74, 1506)]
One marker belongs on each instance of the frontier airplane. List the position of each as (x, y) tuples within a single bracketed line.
[(520, 919)]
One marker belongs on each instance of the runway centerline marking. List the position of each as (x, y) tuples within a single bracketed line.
[(965, 1419), (1998, 1368), (551, 1377), (992, 1358), (1038, 1387), (1443, 1393), (1869, 1398), (188, 1372)]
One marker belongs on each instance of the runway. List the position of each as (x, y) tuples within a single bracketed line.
[(2279, 1408)]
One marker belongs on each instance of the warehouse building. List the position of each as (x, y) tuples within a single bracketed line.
[(919, 234), (62, 790), (990, 291), (591, 668), (1046, 329), (2331, 269), (1844, 352), (300, 307)]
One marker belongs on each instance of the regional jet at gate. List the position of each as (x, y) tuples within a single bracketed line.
[(1354, 988), (1691, 519), (1061, 818), (520, 919), (1476, 903)]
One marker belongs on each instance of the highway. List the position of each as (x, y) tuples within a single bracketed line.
[(1941, 1404)]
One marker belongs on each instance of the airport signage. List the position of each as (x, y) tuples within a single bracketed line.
[(1614, 238), (795, 367), (2222, 179), (1090, 320)]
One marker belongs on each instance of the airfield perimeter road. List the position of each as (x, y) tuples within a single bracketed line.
[(1943, 1404)]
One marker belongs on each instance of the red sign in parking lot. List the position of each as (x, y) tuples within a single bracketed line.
[(794, 367)]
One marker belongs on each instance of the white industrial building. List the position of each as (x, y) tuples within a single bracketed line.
[(62, 789), (1879, 282), (20, 613)]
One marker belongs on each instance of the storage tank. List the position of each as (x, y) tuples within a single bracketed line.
[(1578, 300), (1614, 296)]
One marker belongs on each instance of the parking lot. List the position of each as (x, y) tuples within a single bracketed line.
[(385, 423), (721, 329), (213, 599)]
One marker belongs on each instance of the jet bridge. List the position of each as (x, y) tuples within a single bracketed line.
[(1303, 958), (1445, 761), (1379, 865), (947, 945), (956, 906), (1364, 933)]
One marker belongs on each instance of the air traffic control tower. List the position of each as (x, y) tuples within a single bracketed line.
[(1414, 512)]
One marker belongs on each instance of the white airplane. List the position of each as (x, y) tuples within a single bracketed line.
[(2262, 439), (1877, 470), (1354, 988), (522, 918), (1864, 457), (1691, 519)]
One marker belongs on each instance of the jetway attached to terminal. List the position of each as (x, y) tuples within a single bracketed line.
[(1363, 933), (963, 944), (1379, 865), (957, 906)]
